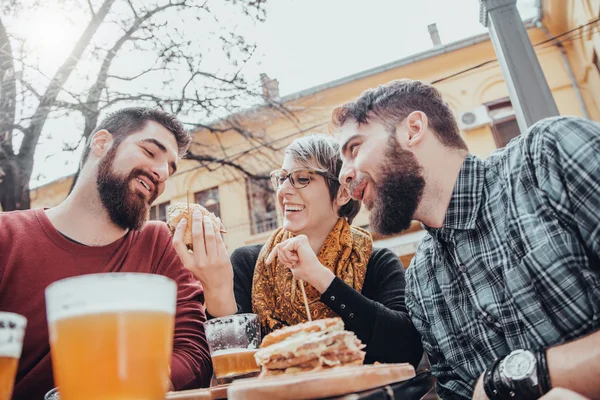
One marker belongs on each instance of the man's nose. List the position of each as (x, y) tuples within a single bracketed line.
[(347, 174), (161, 172)]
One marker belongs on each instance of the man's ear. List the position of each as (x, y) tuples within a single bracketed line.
[(416, 124), (343, 197), (101, 142)]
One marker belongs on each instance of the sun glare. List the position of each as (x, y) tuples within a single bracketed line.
[(49, 33)]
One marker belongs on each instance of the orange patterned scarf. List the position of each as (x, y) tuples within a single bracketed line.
[(276, 295)]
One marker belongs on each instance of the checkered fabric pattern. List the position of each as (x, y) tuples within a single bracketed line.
[(516, 264)]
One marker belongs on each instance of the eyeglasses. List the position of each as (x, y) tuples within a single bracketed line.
[(299, 177)]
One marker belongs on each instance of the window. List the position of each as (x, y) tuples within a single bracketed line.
[(504, 121), (209, 199), (159, 211), (261, 205)]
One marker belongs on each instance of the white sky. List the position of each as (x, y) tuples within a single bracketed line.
[(310, 42), (303, 43)]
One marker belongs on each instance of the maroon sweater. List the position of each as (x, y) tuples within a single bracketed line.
[(33, 254)]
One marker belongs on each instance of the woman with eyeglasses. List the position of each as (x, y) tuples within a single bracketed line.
[(344, 275)]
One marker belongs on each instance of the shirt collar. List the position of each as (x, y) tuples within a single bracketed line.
[(467, 196)]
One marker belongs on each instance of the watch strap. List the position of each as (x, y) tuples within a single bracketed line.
[(488, 381), (543, 372), (499, 387)]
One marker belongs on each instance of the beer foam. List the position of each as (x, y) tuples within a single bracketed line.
[(239, 331), (232, 351), (110, 292), (12, 330)]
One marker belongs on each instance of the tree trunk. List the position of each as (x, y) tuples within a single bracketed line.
[(15, 184), (12, 195), (8, 92), (14, 189)]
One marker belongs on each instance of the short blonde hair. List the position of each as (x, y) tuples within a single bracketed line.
[(320, 151)]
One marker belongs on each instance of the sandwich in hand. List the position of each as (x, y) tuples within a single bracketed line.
[(308, 347), (177, 211)]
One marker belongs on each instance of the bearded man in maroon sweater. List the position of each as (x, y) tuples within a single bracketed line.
[(101, 227)]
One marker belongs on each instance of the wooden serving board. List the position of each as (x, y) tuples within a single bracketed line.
[(213, 393), (316, 385)]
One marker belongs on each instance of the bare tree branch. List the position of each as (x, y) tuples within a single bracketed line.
[(223, 94), (91, 7), (31, 89), (69, 148), (207, 160), (233, 158), (65, 105), (37, 70), (91, 117), (134, 77), (18, 127), (133, 9), (30, 141)]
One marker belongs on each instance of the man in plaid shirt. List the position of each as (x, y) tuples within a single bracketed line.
[(505, 287)]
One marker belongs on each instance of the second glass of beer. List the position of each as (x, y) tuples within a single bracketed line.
[(111, 335), (233, 340), (12, 331)]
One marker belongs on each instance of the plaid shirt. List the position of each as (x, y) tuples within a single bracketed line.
[(516, 264)]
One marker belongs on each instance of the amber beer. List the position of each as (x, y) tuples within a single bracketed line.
[(234, 363), (233, 340), (8, 371), (111, 335), (12, 330)]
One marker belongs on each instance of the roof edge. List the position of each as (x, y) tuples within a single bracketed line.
[(424, 55)]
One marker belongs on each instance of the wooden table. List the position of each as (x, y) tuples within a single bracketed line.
[(213, 393)]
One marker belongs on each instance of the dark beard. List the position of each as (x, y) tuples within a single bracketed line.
[(126, 209), (398, 191)]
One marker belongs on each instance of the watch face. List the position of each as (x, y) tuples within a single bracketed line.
[(520, 365)]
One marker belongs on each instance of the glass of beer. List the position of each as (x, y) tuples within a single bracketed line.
[(111, 335), (12, 331), (232, 341)]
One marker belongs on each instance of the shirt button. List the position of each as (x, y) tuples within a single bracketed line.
[(489, 319), (343, 306), (462, 268), (332, 298), (351, 315)]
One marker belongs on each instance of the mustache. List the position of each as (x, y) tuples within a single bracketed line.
[(140, 172), (354, 183)]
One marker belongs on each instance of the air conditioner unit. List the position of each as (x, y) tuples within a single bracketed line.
[(474, 118)]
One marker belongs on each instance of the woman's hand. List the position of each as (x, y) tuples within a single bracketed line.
[(209, 263), (299, 257)]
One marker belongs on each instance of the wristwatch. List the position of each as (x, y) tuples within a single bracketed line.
[(518, 372)]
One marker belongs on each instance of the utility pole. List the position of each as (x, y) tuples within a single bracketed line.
[(529, 92)]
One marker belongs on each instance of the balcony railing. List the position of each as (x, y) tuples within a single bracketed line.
[(264, 226)]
